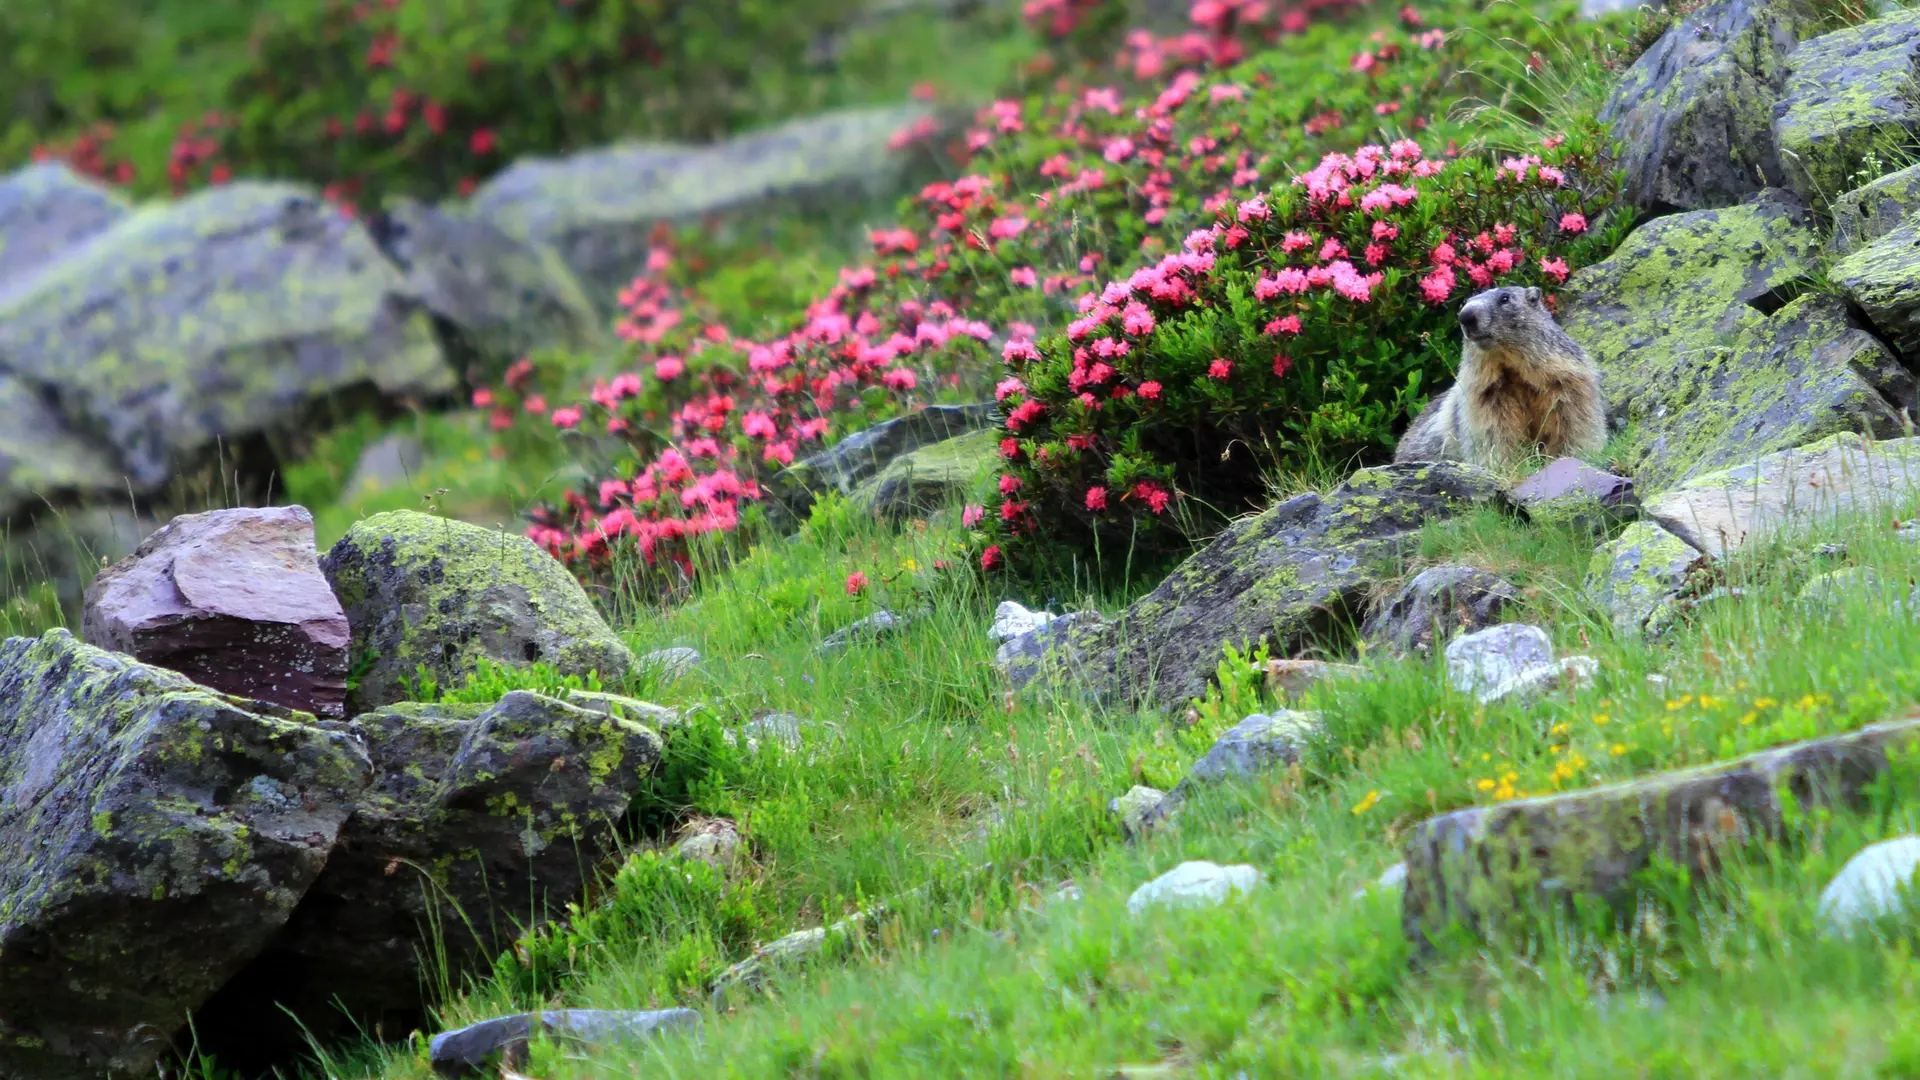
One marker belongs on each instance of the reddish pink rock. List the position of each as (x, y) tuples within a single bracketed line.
[(235, 601)]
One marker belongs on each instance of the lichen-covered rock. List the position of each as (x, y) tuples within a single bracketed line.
[(1675, 320), (426, 591), (1134, 810), (154, 836), (598, 208), (865, 454), (1438, 603), (481, 822), (1638, 577), (1694, 114), (46, 210), (1295, 573), (1870, 212), (1574, 494), (713, 841), (1024, 659), (481, 1049), (1254, 745), (1485, 659), (234, 600), (1778, 494), (235, 313), (1883, 277), (43, 461), (1846, 92), (504, 296), (1481, 866), (931, 478)]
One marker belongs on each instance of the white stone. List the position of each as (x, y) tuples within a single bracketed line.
[(1195, 884), (1011, 620), (1483, 660), (1392, 879), (1871, 886), (671, 665), (1570, 672)]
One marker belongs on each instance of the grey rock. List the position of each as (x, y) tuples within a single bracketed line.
[(481, 1049), (246, 311), (930, 479), (1134, 810), (1875, 209), (482, 822), (1539, 680), (1482, 866), (387, 463), (626, 708), (669, 665), (863, 456), (1875, 884), (504, 296), (1571, 492), (598, 208), (1783, 493), (1438, 603), (782, 728), (1393, 879), (46, 211), (1694, 114), (1835, 587), (1287, 578), (234, 600), (1483, 660), (1638, 577), (1846, 92), (1254, 745), (865, 631), (427, 591), (1012, 620), (1196, 883), (44, 461), (1879, 276), (753, 973), (713, 841), (155, 836), (1024, 659)]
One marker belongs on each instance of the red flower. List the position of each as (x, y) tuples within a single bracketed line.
[(991, 559), (1573, 223), (1219, 369), (482, 141), (1096, 498), (1280, 365), (1150, 390), (856, 583)]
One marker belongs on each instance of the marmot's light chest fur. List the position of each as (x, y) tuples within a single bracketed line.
[(1523, 385)]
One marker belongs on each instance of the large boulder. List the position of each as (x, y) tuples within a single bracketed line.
[(1481, 866), (1296, 574), (44, 462), (425, 592), (1846, 93), (1694, 114), (600, 208), (1722, 512), (1882, 276), (1707, 353), (234, 600), (1874, 209), (861, 457), (47, 210), (481, 823), (930, 478), (1637, 578), (239, 313), (154, 836), (502, 296)]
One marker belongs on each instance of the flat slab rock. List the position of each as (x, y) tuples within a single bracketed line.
[(154, 836), (479, 1049), (1480, 867), (1722, 512), (234, 600), (1845, 93)]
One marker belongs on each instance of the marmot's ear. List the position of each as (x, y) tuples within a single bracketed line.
[(1533, 294)]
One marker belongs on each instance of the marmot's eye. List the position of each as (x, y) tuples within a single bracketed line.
[(1505, 299)]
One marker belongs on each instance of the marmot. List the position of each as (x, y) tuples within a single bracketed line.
[(1523, 385)]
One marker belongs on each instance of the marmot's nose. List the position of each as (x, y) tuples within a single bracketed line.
[(1469, 320)]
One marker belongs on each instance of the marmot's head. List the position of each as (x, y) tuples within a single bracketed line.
[(1504, 316)]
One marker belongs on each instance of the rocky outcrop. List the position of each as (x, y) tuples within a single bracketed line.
[(1438, 603), (1870, 212), (1482, 866), (240, 312), (1694, 115), (1638, 578), (501, 296), (1881, 277), (47, 210), (234, 600), (1712, 359), (1298, 573), (1722, 512), (43, 461), (154, 836), (427, 592), (482, 1049), (599, 208), (480, 823), (1846, 93), (929, 479), (864, 455)]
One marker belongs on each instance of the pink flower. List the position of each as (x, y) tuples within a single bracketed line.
[(1295, 241), (1019, 349), (1024, 277), (1288, 325), (625, 385), (482, 398), (1023, 414), (758, 425), (1220, 368), (1136, 319), (536, 405), (1254, 210), (1153, 495), (1009, 385), (1573, 223), (1096, 498), (1010, 483), (1280, 365), (1438, 285), (900, 379), (972, 515), (1444, 255), (1555, 269), (567, 418), (991, 558), (1118, 150), (856, 583), (668, 368), (1150, 390)]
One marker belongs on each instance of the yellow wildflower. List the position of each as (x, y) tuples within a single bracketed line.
[(1366, 804), (1618, 749), (1485, 785)]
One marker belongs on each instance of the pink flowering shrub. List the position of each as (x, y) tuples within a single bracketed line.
[(1307, 322)]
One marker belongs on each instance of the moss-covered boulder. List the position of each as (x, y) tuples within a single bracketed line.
[(1708, 355), (501, 296), (1873, 210), (1883, 278), (1694, 114), (1637, 577), (43, 462), (850, 463), (1479, 868), (239, 313), (429, 592), (1720, 513), (45, 211), (599, 208), (1298, 574), (154, 836), (931, 478), (1846, 93), (481, 822)]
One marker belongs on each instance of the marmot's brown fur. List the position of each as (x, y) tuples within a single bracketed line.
[(1523, 385)]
